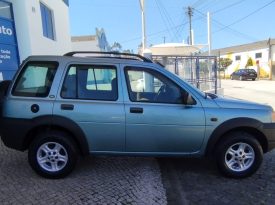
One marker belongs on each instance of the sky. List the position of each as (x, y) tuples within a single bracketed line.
[(234, 22)]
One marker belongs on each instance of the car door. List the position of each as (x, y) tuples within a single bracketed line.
[(157, 121), (30, 96), (90, 96)]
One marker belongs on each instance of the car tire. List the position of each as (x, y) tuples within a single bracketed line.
[(52, 155), (239, 155), (253, 79)]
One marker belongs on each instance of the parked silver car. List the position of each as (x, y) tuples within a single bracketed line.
[(60, 107)]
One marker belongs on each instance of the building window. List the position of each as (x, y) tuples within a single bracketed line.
[(237, 58), (47, 22), (5, 10), (258, 55)]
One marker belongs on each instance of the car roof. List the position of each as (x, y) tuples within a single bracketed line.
[(100, 57), (103, 60)]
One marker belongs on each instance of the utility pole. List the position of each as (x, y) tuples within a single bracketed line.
[(190, 14), (143, 24), (209, 33)]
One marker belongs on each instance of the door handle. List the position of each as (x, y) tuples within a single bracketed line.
[(67, 107), (136, 110)]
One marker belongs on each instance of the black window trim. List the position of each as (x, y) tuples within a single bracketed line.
[(21, 71), (85, 65), (237, 57), (258, 55), (151, 71)]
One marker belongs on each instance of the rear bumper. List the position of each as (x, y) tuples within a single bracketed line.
[(249, 77), (269, 131), (14, 131)]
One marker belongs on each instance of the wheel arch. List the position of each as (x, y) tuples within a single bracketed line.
[(247, 125), (50, 123)]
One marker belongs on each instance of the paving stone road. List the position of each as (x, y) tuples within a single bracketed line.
[(99, 180), (125, 180), (197, 181)]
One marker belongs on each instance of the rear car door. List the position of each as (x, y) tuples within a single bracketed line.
[(157, 121), (31, 93), (90, 97)]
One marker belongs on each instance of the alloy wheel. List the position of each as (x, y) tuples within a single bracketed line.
[(239, 157)]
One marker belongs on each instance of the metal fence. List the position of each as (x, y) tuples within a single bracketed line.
[(201, 71)]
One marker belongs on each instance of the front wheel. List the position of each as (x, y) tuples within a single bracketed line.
[(52, 155), (239, 155)]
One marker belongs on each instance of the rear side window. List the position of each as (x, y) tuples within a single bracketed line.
[(90, 82), (35, 79)]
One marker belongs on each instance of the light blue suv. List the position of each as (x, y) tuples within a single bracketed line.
[(60, 107)]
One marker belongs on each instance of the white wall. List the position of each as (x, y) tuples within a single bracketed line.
[(263, 61), (29, 30), (85, 46), (273, 52), (22, 28)]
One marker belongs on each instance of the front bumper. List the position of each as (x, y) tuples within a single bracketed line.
[(269, 131)]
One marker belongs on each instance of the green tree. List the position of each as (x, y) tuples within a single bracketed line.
[(128, 51), (224, 63), (249, 62), (116, 47)]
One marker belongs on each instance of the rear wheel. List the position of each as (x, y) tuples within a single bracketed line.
[(253, 79), (239, 155), (52, 155)]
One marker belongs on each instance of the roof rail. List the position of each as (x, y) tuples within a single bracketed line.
[(112, 54)]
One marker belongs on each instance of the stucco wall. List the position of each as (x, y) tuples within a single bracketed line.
[(85, 46), (258, 63), (28, 25)]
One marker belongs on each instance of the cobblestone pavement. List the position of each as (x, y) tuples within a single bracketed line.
[(125, 180), (197, 181), (99, 180)]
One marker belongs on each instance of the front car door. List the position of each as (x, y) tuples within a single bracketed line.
[(157, 121), (90, 97)]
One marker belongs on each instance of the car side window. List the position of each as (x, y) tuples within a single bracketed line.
[(152, 87), (91, 83), (35, 79)]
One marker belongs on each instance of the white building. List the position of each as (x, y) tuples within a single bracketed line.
[(42, 27), (97, 42), (262, 54)]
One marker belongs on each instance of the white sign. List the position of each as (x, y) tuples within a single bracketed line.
[(5, 31)]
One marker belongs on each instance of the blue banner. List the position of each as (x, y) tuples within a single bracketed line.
[(9, 59), (7, 33)]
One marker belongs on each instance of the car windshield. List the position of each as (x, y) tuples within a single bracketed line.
[(251, 71), (203, 94)]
